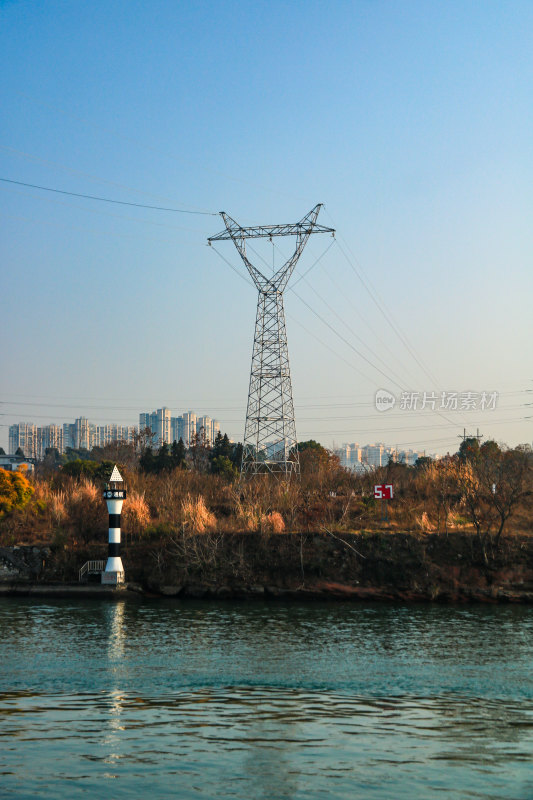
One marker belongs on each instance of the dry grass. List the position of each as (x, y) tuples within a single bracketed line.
[(196, 516), (87, 513), (248, 515), (429, 499), (273, 522), (57, 507), (135, 515), (424, 523)]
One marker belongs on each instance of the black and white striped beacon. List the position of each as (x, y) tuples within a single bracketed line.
[(114, 495)]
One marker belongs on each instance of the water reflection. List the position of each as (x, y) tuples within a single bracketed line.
[(115, 630), (270, 765), (111, 741)]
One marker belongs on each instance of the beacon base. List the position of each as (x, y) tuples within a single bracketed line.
[(113, 578), (114, 571)]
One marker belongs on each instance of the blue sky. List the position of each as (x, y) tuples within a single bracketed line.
[(411, 121)]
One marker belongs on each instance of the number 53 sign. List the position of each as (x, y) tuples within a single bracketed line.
[(383, 491)]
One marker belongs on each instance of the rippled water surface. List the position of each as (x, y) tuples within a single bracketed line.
[(260, 700)]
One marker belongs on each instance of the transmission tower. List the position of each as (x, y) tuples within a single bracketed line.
[(270, 443)]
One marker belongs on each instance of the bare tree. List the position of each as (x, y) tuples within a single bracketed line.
[(476, 502), (143, 439), (199, 451), (505, 476)]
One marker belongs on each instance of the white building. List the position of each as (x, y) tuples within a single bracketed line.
[(107, 434), (68, 435), (84, 434), (410, 457), (211, 428), (16, 463), (187, 427), (351, 457), (160, 423), (49, 437), (23, 435), (375, 455)]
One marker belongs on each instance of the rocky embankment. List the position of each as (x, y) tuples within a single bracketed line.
[(358, 566)]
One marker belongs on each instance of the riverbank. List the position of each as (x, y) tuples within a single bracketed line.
[(61, 590), (373, 565)]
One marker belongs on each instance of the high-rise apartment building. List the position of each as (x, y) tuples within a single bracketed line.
[(23, 435), (80, 434), (163, 425), (107, 434), (84, 434), (68, 435), (187, 427), (160, 423), (351, 457), (34, 441), (210, 428), (410, 457), (375, 455), (49, 437)]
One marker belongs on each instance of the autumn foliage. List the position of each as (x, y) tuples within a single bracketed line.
[(485, 491), (15, 491)]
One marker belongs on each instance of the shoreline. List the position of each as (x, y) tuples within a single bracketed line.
[(319, 592), (398, 567)]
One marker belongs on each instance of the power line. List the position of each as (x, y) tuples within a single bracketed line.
[(342, 293), (384, 311), (230, 265), (290, 316), (95, 231), (334, 330), (347, 342), (56, 165), (352, 331), (340, 336), (386, 314), (382, 308), (100, 128), (144, 401), (108, 200), (105, 212), (302, 276)]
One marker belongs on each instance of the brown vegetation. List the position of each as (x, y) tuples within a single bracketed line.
[(480, 493)]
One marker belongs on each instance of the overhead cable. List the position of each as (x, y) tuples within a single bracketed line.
[(108, 199)]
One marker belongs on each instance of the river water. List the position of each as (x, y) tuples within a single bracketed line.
[(265, 700)]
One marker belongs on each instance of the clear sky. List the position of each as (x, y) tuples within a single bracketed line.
[(411, 121)]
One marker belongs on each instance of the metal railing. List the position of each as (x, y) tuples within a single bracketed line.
[(91, 567)]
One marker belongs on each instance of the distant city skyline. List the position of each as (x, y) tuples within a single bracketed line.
[(34, 440), (166, 429), (49, 432), (360, 458)]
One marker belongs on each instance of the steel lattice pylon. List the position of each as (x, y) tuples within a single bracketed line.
[(270, 443)]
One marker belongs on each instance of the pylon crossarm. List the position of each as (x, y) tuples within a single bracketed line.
[(308, 223), (302, 230)]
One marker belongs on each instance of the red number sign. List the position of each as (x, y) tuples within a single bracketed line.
[(383, 491)]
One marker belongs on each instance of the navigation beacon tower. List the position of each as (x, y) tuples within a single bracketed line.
[(114, 495)]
